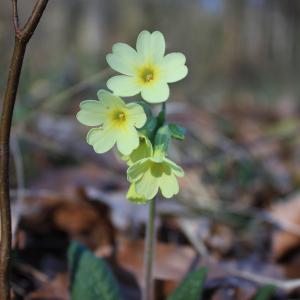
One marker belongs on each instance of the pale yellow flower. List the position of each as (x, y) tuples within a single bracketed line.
[(117, 121), (146, 70)]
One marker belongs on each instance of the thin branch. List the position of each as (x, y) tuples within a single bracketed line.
[(285, 285), (21, 39), (32, 22), (16, 18)]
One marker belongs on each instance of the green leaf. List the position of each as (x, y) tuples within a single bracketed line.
[(177, 131), (161, 117), (191, 287), (91, 277), (265, 292)]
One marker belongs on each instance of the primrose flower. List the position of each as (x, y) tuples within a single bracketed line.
[(153, 173), (146, 70), (142, 151), (117, 122)]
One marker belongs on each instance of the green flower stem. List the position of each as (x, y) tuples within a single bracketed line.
[(164, 108), (149, 253)]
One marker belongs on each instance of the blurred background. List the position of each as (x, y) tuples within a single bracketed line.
[(239, 203)]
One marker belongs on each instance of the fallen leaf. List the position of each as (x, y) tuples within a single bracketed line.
[(286, 214), (57, 289)]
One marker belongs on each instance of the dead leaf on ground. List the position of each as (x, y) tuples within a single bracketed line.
[(172, 262), (57, 289), (286, 213)]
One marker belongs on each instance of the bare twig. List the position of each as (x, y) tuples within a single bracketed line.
[(34, 19), (22, 36), (16, 17), (285, 285)]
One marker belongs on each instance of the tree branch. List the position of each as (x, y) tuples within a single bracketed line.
[(16, 17), (21, 39), (32, 22)]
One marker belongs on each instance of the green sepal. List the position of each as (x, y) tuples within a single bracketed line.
[(149, 128), (162, 140), (144, 150), (161, 117), (134, 197), (177, 132)]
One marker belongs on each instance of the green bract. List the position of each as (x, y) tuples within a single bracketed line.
[(154, 173), (117, 122), (147, 70)]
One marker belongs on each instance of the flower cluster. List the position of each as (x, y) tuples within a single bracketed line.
[(141, 139)]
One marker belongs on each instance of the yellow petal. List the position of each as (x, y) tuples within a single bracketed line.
[(124, 86), (137, 114), (127, 140)]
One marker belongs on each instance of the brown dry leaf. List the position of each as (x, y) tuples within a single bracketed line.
[(172, 262), (233, 293), (86, 222), (287, 214), (57, 289)]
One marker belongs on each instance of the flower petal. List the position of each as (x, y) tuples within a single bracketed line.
[(102, 140), (158, 45), (173, 68), (177, 75), (88, 118), (168, 185), (91, 113), (91, 105), (147, 186), (124, 86), (143, 44), (110, 100), (127, 140), (136, 171), (177, 170), (156, 93), (123, 59), (151, 46), (137, 114)]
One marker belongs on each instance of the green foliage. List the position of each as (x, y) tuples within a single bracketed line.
[(265, 292), (91, 278), (177, 132), (161, 117), (191, 287)]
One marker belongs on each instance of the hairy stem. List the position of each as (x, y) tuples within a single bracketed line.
[(148, 290), (22, 36)]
